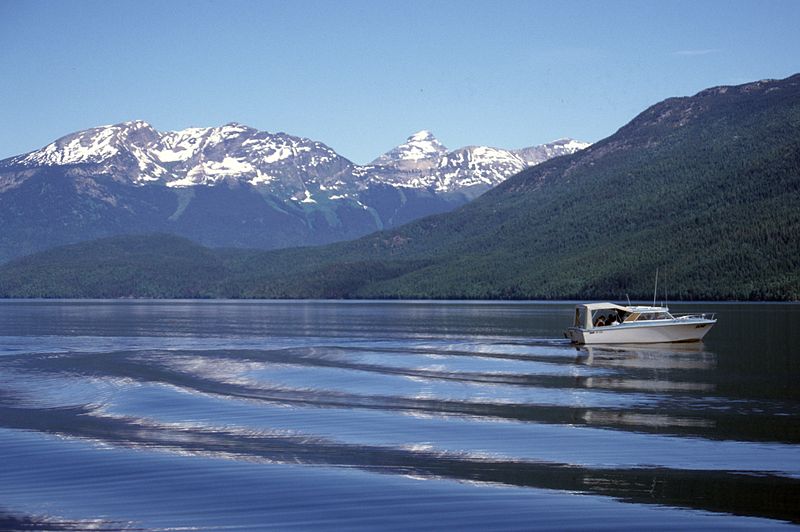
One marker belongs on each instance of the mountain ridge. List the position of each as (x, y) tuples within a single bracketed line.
[(158, 154), (229, 185)]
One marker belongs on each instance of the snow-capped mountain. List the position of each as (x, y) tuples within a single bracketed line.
[(123, 149), (539, 154), (424, 162), (418, 150), (234, 185), (134, 152)]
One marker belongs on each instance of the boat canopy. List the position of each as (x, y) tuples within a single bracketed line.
[(609, 313), (604, 306), (612, 306), (584, 312)]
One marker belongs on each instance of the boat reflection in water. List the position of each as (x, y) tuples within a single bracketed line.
[(648, 356), (649, 368)]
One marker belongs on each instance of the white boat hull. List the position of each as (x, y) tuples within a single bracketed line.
[(677, 330)]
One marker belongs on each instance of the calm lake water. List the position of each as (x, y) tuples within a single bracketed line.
[(400, 415)]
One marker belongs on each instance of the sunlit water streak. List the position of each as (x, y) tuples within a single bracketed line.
[(394, 415)]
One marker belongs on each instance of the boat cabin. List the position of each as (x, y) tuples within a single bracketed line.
[(592, 315)]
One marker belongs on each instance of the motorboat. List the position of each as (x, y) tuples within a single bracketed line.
[(608, 323)]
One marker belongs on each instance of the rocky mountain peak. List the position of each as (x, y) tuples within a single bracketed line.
[(420, 146), (94, 146), (423, 135)]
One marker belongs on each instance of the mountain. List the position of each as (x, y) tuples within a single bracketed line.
[(419, 148), (231, 185), (706, 188), (422, 161)]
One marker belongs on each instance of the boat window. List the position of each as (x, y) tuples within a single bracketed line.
[(654, 316), (605, 317)]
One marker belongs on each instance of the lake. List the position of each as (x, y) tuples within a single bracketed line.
[(249, 415)]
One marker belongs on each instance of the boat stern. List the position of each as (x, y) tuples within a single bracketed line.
[(574, 335)]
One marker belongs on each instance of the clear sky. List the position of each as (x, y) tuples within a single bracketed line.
[(361, 76)]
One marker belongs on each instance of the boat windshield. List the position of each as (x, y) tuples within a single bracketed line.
[(647, 316)]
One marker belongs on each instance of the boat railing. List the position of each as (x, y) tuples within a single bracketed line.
[(696, 316)]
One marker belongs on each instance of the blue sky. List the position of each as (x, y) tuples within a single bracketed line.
[(362, 76)]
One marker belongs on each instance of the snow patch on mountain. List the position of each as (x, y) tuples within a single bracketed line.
[(538, 154), (212, 172), (571, 145), (180, 145), (307, 197), (271, 150), (475, 166)]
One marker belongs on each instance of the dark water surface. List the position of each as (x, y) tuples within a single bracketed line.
[(364, 415)]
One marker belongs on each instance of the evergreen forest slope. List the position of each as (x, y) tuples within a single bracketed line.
[(705, 188)]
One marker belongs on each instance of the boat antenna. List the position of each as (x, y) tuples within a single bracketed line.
[(629, 299), (655, 288)]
